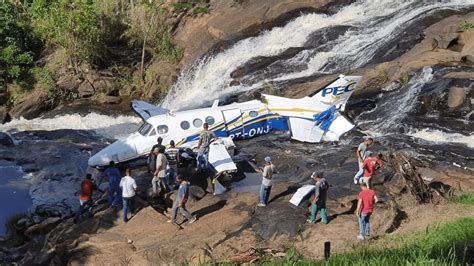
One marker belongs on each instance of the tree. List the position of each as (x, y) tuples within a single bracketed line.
[(71, 24), (16, 42)]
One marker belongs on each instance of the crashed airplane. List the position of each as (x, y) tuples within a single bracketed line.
[(310, 119)]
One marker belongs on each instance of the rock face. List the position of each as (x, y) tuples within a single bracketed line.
[(42, 227), (236, 19), (35, 104)]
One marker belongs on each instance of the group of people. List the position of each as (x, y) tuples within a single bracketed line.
[(368, 164), (163, 166)]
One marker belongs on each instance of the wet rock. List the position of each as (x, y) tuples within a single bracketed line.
[(37, 219), (6, 140), (456, 96), (23, 223), (3, 114), (85, 90), (43, 227), (35, 104), (68, 83), (111, 99)]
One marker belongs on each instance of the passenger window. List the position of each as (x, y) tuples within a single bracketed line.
[(153, 132), (185, 125), (197, 122), (210, 120), (253, 113), (163, 129)]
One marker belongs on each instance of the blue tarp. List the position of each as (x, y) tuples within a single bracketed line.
[(324, 119)]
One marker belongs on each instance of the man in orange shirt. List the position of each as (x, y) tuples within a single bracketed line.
[(85, 197), (371, 164)]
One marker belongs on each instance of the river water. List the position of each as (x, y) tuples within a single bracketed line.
[(362, 33)]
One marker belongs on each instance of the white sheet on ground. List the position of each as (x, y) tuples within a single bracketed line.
[(301, 193), (305, 130), (220, 158)]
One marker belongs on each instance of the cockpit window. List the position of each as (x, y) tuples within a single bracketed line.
[(153, 132), (163, 129), (144, 129), (253, 113)]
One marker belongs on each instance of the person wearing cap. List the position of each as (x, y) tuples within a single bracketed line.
[(318, 202), (267, 174), (160, 172), (205, 140), (371, 164), (361, 155)]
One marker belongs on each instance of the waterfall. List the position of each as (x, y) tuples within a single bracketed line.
[(372, 24)]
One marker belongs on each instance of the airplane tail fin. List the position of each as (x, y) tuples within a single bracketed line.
[(338, 92)]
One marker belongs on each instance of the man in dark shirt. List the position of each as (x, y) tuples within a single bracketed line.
[(152, 155), (180, 201), (318, 203), (172, 154), (113, 176)]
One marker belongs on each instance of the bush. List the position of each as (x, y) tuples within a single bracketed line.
[(182, 6), (200, 10), (404, 79)]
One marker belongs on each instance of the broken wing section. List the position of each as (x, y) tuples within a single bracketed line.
[(219, 156), (146, 110), (331, 129)]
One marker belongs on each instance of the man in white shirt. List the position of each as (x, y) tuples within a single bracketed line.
[(267, 174), (129, 188)]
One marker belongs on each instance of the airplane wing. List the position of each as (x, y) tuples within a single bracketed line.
[(219, 156), (146, 110)]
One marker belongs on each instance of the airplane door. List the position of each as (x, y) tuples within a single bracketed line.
[(233, 123)]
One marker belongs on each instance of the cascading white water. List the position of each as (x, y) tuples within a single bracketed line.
[(104, 125), (374, 23)]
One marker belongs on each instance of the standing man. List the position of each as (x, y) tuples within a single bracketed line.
[(129, 188), (180, 201), (172, 154), (113, 176), (318, 203), (267, 175), (160, 171), (365, 207), (85, 198), (370, 165), (361, 155), (151, 161), (203, 147)]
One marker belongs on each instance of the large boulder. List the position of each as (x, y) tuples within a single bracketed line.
[(32, 106), (3, 114), (85, 90), (456, 96)]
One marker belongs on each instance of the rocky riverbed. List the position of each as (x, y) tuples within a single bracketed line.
[(416, 100)]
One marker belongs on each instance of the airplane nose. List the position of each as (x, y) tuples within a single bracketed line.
[(119, 151)]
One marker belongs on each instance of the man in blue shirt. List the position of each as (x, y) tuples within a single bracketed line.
[(113, 175), (180, 201)]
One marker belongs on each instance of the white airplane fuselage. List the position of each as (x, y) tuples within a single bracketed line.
[(236, 120)]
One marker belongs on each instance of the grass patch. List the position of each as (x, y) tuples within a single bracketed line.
[(200, 10), (465, 25), (465, 198), (404, 79), (182, 6), (438, 245), (382, 76)]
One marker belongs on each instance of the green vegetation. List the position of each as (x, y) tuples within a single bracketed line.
[(200, 10), (382, 76), (438, 245), (17, 44), (404, 79), (71, 24), (182, 6), (465, 198), (465, 25), (12, 232)]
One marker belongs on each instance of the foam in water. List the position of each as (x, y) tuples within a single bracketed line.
[(443, 137), (374, 21), (107, 126)]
